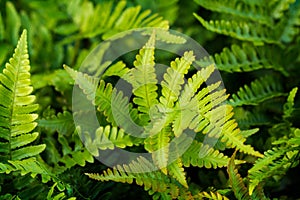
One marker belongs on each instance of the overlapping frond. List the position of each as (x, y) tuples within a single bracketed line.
[(17, 117)]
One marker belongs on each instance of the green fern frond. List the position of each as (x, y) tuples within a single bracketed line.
[(231, 135), (254, 11), (107, 138), (243, 58), (143, 77), (143, 172), (117, 18), (203, 156), (17, 119), (62, 123), (271, 164), (260, 90), (212, 195), (288, 107), (236, 181), (158, 145), (242, 30), (176, 170), (174, 78)]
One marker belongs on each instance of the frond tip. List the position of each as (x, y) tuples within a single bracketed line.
[(17, 119)]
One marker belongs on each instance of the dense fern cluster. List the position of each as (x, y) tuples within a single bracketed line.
[(190, 138)]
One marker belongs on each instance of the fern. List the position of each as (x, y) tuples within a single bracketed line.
[(236, 182), (260, 90), (116, 19), (250, 31), (164, 115), (244, 58), (17, 119)]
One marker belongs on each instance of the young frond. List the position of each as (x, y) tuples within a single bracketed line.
[(17, 117), (259, 90)]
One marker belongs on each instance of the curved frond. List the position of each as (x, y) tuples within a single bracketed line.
[(243, 58), (242, 30), (259, 90), (17, 117), (236, 181), (152, 180)]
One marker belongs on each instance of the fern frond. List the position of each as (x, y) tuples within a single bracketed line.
[(158, 145), (212, 195), (62, 123), (288, 107), (271, 164), (236, 181), (203, 156), (176, 170), (231, 135), (243, 58), (115, 19), (17, 119), (143, 77), (143, 172), (253, 11), (259, 90), (242, 30), (25, 166), (174, 78), (107, 138)]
